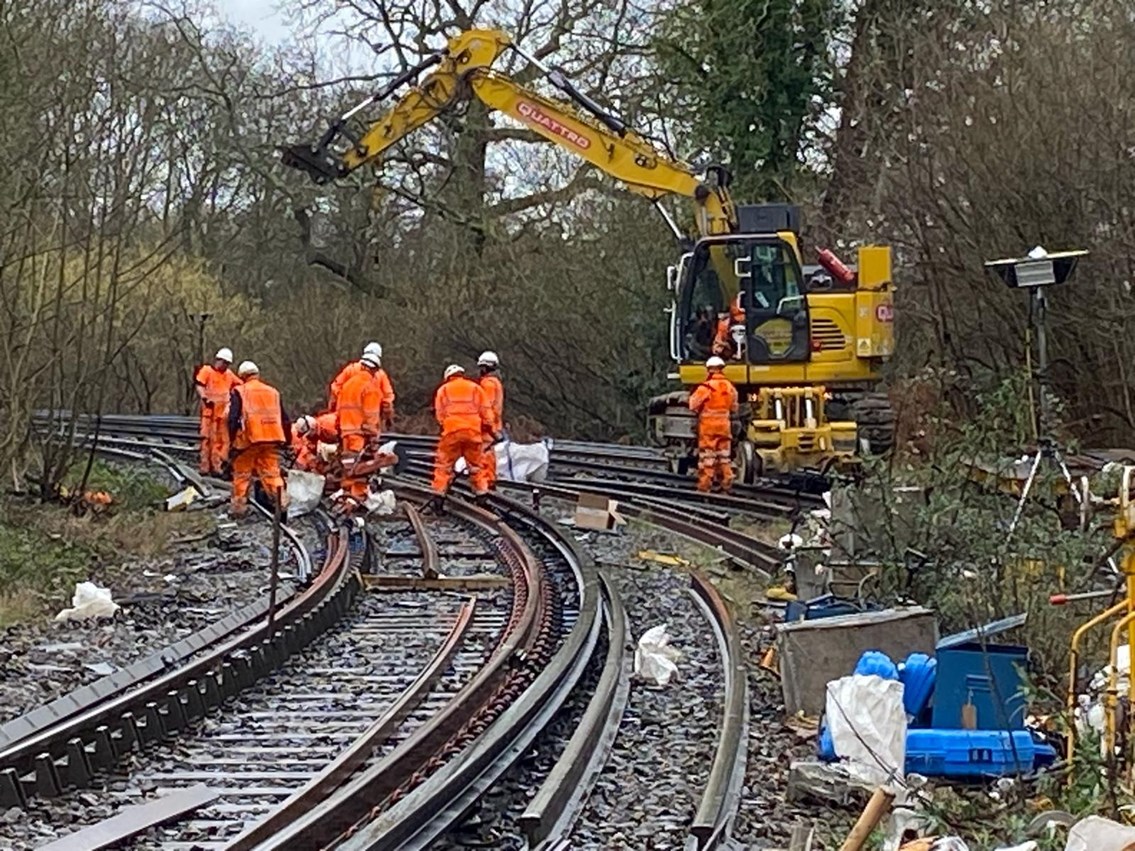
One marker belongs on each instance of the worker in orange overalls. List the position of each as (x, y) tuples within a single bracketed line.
[(466, 419), (214, 383), (494, 393), (307, 433), (360, 414), (723, 338), (715, 401), (385, 388), (258, 425)]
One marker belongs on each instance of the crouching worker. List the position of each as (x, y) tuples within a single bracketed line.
[(307, 433), (258, 425)]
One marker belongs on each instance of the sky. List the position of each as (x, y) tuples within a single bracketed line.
[(260, 16)]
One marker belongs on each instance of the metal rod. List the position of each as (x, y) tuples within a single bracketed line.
[(273, 579)]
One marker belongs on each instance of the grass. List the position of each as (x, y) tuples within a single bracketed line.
[(45, 548)]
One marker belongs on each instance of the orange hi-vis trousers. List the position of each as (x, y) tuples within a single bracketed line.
[(263, 461), (489, 464), (714, 459), (351, 449), (214, 439), (467, 444)]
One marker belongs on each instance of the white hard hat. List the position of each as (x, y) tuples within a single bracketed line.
[(247, 368), (488, 359), (373, 349), (370, 359), (224, 354), (715, 363), (306, 423), (453, 369)]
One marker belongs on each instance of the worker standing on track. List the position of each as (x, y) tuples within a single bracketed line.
[(385, 388), (715, 401), (360, 413), (465, 417), (307, 433), (494, 394), (214, 383), (258, 425)]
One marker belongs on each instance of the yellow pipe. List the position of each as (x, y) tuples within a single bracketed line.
[(1108, 614), (1112, 680)]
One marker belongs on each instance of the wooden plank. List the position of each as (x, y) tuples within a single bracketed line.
[(134, 820)]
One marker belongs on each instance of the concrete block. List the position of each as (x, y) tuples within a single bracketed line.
[(812, 653)]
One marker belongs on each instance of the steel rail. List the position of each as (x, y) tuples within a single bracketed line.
[(553, 810), (416, 822), (354, 804), (41, 719), (67, 754), (354, 757), (718, 807)]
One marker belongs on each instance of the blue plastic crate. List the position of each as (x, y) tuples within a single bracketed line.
[(989, 677), (974, 754)]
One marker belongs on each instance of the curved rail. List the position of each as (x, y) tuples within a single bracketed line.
[(67, 754), (552, 811), (378, 786), (718, 805)]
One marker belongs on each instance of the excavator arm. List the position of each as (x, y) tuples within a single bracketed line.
[(580, 126)]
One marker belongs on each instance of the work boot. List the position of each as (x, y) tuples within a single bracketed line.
[(481, 500), (435, 506)]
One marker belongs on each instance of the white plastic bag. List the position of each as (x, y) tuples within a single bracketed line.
[(304, 492), (89, 601), (381, 503), (1096, 833), (523, 462), (654, 658), (868, 726)]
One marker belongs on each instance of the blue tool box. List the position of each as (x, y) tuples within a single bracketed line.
[(974, 753), (989, 677)]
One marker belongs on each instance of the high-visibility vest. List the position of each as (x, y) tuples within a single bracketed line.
[(714, 401), (460, 405), (217, 386), (260, 418), (359, 405), (494, 395), (345, 374)]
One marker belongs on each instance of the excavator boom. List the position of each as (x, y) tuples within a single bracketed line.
[(584, 129)]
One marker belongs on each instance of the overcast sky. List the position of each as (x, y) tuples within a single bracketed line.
[(258, 15)]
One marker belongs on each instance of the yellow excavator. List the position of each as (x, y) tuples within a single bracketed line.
[(798, 340)]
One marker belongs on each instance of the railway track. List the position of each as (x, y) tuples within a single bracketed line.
[(384, 724)]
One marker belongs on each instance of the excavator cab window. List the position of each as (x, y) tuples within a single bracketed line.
[(776, 310), (700, 300)]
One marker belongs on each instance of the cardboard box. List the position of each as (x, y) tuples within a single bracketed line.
[(597, 512)]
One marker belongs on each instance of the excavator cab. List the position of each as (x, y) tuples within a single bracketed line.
[(754, 284)]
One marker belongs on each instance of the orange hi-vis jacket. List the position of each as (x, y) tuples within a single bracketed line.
[(326, 430), (385, 388), (494, 394), (216, 386), (360, 405), (257, 414), (461, 405), (713, 402)]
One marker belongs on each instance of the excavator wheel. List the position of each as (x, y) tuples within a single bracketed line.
[(875, 419), (747, 462)]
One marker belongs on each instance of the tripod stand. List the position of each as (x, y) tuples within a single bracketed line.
[(1047, 448)]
